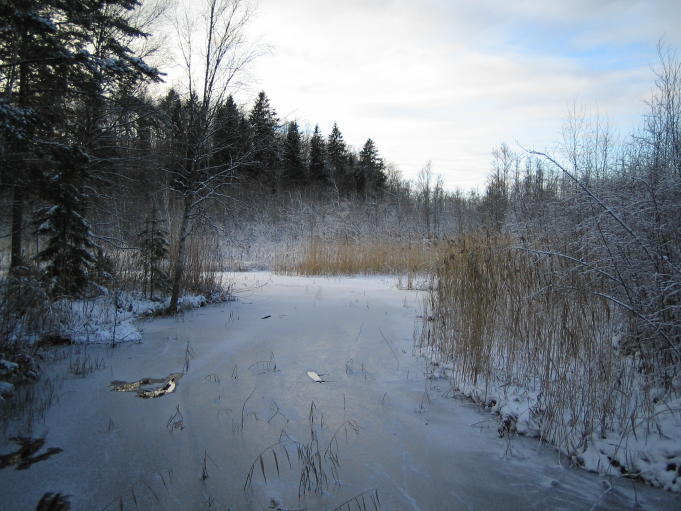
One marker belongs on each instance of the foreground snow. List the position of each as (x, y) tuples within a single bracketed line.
[(246, 389)]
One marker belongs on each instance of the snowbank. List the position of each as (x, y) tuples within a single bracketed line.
[(649, 450), (111, 318)]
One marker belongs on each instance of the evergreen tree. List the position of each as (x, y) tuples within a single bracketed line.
[(351, 164), (56, 57), (318, 170), (245, 137), (29, 40), (68, 255), (171, 144), (294, 168), (369, 172), (228, 139), (263, 121), (336, 153)]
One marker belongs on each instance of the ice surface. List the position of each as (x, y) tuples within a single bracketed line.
[(193, 449)]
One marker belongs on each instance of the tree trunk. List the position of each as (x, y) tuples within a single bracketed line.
[(179, 258), (17, 227), (19, 190)]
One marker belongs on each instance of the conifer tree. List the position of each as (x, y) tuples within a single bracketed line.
[(294, 168), (318, 170), (263, 121), (336, 153), (369, 173), (68, 256), (29, 40), (170, 114), (55, 58), (228, 138)]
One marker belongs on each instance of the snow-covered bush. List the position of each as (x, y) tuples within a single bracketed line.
[(25, 310)]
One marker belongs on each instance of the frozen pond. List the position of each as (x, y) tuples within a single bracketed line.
[(220, 438)]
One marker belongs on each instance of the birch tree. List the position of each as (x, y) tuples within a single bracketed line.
[(213, 52)]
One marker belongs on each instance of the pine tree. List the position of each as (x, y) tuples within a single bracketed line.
[(351, 165), (68, 256), (319, 174), (294, 168), (170, 114)]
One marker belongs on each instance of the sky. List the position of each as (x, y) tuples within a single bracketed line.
[(448, 81)]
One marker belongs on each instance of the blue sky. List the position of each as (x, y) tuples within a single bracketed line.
[(447, 81)]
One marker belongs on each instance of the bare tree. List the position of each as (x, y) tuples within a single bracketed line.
[(211, 65), (496, 199), (424, 186)]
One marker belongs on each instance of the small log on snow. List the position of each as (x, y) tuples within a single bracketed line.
[(165, 389)]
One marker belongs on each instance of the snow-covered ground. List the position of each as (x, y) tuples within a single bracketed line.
[(246, 389), (111, 319), (650, 449)]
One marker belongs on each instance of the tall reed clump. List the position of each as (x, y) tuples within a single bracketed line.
[(25, 312), (348, 257), (204, 266), (507, 322)]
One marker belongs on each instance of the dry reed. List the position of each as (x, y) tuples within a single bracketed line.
[(204, 265), (348, 257), (502, 320)]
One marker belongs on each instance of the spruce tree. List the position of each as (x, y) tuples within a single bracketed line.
[(29, 40), (170, 114), (262, 123), (337, 153), (58, 57), (319, 174), (369, 173), (68, 256), (227, 136), (294, 168)]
